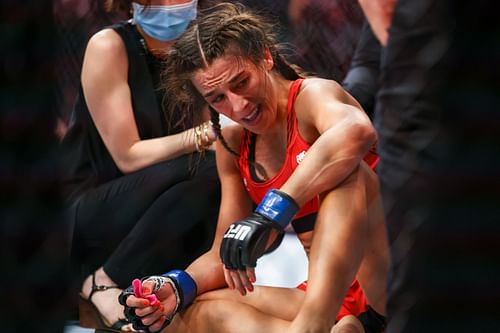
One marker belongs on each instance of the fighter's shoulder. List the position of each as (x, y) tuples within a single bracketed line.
[(315, 97), (312, 88)]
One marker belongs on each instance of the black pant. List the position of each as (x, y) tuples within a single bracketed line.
[(438, 121), (149, 221)]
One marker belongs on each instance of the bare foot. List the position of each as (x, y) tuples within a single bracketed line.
[(106, 301)]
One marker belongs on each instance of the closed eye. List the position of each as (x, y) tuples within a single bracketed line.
[(217, 99), (242, 83)]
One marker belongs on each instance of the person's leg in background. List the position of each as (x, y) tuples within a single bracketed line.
[(437, 115), (33, 238), (176, 229), (143, 224), (104, 216)]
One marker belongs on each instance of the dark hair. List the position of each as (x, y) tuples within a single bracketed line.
[(126, 5), (217, 29), (118, 5)]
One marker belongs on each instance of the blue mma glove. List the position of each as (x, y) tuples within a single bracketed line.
[(183, 285), (245, 241)]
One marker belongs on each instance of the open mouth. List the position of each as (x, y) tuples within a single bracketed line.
[(252, 117)]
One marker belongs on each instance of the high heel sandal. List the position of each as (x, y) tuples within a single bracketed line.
[(90, 317)]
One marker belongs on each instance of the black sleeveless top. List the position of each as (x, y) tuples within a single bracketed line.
[(87, 162)]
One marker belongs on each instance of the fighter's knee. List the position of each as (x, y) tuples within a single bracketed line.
[(348, 324), (364, 174), (370, 174)]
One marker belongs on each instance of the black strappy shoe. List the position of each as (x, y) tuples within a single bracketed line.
[(90, 317)]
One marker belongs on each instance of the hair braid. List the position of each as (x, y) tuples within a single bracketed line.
[(215, 118)]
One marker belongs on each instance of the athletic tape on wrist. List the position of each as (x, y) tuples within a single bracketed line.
[(278, 207), (185, 285)]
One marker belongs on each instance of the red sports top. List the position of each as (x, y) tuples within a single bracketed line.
[(297, 149)]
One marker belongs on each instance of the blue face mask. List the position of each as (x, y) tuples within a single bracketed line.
[(164, 23)]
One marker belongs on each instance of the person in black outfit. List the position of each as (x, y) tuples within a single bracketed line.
[(362, 79), (142, 189), (33, 235), (437, 115)]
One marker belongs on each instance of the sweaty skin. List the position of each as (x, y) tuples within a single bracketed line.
[(349, 236)]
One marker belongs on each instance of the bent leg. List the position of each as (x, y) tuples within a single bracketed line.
[(373, 272), (176, 229), (340, 241), (144, 223), (348, 324), (283, 303), (225, 316), (106, 214)]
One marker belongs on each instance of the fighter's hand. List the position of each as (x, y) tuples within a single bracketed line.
[(243, 280), (247, 240)]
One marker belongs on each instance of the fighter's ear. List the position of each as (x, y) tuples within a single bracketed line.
[(268, 59)]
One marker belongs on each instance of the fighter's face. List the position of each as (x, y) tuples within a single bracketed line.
[(239, 89)]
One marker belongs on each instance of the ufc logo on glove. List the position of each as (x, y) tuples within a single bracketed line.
[(237, 231), (246, 240)]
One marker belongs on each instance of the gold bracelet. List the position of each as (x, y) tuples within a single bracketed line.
[(205, 133), (197, 139), (202, 143)]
